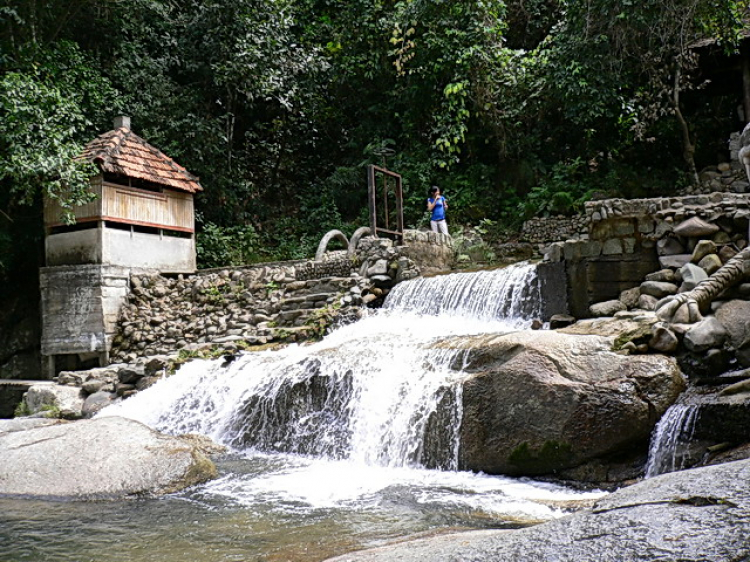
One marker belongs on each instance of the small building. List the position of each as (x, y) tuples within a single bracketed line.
[(142, 219), (143, 213)]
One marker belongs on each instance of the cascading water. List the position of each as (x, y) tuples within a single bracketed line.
[(668, 451), (370, 392), (334, 446), (511, 295)]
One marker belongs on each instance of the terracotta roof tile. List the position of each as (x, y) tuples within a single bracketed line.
[(123, 152)]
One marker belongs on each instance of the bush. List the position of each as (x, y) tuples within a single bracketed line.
[(220, 246)]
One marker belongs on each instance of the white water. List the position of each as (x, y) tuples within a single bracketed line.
[(342, 422), (668, 451)]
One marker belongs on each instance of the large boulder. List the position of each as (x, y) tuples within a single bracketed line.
[(540, 402), (699, 515), (104, 458), (54, 400), (734, 316)]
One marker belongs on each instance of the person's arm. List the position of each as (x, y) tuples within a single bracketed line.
[(445, 202), (431, 206)]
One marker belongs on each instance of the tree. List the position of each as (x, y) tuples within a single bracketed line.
[(626, 64)]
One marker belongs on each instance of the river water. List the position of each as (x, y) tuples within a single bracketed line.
[(328, 445)]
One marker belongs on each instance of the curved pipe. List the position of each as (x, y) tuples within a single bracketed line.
[(330, 235), (358, 234)]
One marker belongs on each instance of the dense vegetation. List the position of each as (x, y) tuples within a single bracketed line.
[(515, 107)]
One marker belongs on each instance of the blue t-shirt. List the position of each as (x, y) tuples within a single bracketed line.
[(438, 211)]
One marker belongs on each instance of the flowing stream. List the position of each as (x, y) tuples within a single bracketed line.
[(343, 444), (670, 440)]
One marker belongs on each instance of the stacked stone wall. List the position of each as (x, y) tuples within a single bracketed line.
[(235, 307), (432, 252), (629, 239), (725, 177), (256, 305), (544, 230)]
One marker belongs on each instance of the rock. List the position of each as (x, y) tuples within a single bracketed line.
[(658, 289), (701, 514), (22, 424), (560, 321), (702, 249), (710, 264), (54, 400), (538, 402), (721, 238), (695, 227), (704, 335), (606, 308), (669, 246), (156, 364), (129, 375), (675, 261), (691, 275), (664, 339), (95, 402), (726, 253), (663, 275), (380, 267), (734, 317), (647, 302), (92, 386), (103, 458), (630, 297)]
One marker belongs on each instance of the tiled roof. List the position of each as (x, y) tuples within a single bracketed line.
[(122, 152)]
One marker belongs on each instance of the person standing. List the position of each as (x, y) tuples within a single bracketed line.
[(437, 205)]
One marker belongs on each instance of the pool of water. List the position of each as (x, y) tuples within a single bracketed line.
[(275, 508)]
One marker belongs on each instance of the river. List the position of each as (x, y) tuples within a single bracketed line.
[(327, 445)]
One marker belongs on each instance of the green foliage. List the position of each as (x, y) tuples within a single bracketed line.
[(21, 410), (39, 127), (564, 191), (219, 246), (513, 107)]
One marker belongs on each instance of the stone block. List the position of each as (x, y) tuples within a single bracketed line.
[(691, 275), (674, 261), (658, 289), (628, 245), (612, 246)]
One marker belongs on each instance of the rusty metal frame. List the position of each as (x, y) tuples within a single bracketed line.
[(373, 172)]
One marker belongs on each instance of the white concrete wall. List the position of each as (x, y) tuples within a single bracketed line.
[(70, 248), (109, 246), (166, 254)]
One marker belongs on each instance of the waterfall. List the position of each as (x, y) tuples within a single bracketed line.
[(512, 294), (377, 392), (668, 451)]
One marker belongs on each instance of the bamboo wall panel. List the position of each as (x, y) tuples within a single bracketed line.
[(170, 209)]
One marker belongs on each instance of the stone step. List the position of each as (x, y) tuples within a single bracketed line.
[(726, 378), (308, 298)]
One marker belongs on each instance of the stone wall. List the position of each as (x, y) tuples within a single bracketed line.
[(553, 229), (241, 307), (725, 177), (79, 308), (629, 239), (431, 252), (256, 305)]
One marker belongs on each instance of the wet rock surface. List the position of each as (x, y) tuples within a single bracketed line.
[(694, 515), (541, 402), (106, 458)]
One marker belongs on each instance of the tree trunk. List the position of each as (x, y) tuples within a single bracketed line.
[(745, 84), (688, 146)]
